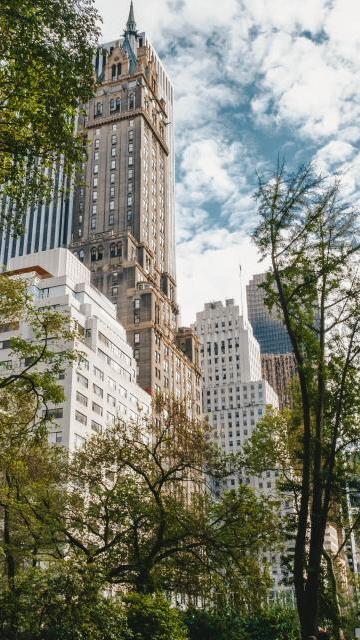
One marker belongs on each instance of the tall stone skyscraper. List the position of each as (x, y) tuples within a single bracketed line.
[(236, 398), (123, 222)]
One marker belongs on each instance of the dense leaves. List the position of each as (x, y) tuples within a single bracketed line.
[(276, 622), (46, 72), (138, 507), (312, 239)]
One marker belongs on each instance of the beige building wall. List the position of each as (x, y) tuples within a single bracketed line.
[(123, 227)]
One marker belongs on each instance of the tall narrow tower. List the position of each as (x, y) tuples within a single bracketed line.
[(123, 224)]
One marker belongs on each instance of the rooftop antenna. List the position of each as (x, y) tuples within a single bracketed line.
[(241, 292)]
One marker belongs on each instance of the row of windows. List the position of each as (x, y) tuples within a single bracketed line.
[(116, 104)]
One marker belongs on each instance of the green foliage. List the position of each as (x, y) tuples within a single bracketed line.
[(311, 237), (60, 603), (46, 72), (151, 617), (145, 517), (275, 622)]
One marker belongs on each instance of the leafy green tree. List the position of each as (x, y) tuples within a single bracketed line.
[(59, 602), (137, 506), (274, 622), (46, 72), (28, 465), (151, 617), (312, 240)]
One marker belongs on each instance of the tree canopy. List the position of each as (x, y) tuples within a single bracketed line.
[(311, 237), (46, 73)]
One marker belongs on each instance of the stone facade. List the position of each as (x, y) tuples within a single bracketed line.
[(102, 385), (123, 223), (235, 399)]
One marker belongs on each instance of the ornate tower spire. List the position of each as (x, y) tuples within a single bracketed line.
[(130, 39), (131, 24)]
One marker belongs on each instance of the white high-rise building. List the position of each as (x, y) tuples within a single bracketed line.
[(235, 394), (102, 386)]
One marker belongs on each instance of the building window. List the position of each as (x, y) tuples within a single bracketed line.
[(100, 252), (97, 408), (94, 208), (81, 398), (82, 380), (93, 222), (95, 426), (112, 192), (112, 104), (131, 101), (111, 219), (95, 182), (93, 254), (96, 155), (57, 412), (80, 417), (98, 109), (81, 255), (112, 205), (130, 160), (113, 151), (113, 164), (97, 390), (94, 195), (113, 72), (113, 138), (131, 123), (96, 168), (97, 143), (136, 338), (114, 291), (79, 441)]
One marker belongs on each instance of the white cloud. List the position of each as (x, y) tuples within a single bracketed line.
[(276, 66), (208, 269)]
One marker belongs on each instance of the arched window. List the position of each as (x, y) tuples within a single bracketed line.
[(119, 69), (93, 254), (131, 101), (119, 249), (100, 252), (113, 72), (112, 250)]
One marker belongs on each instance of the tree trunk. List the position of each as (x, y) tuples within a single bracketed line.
[(9, 558), (144, 582), (337, 619)]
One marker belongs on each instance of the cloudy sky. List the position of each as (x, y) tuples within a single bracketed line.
[(253, 78)]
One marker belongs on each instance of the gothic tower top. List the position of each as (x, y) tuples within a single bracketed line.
[(131, 24), (130, 39)]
